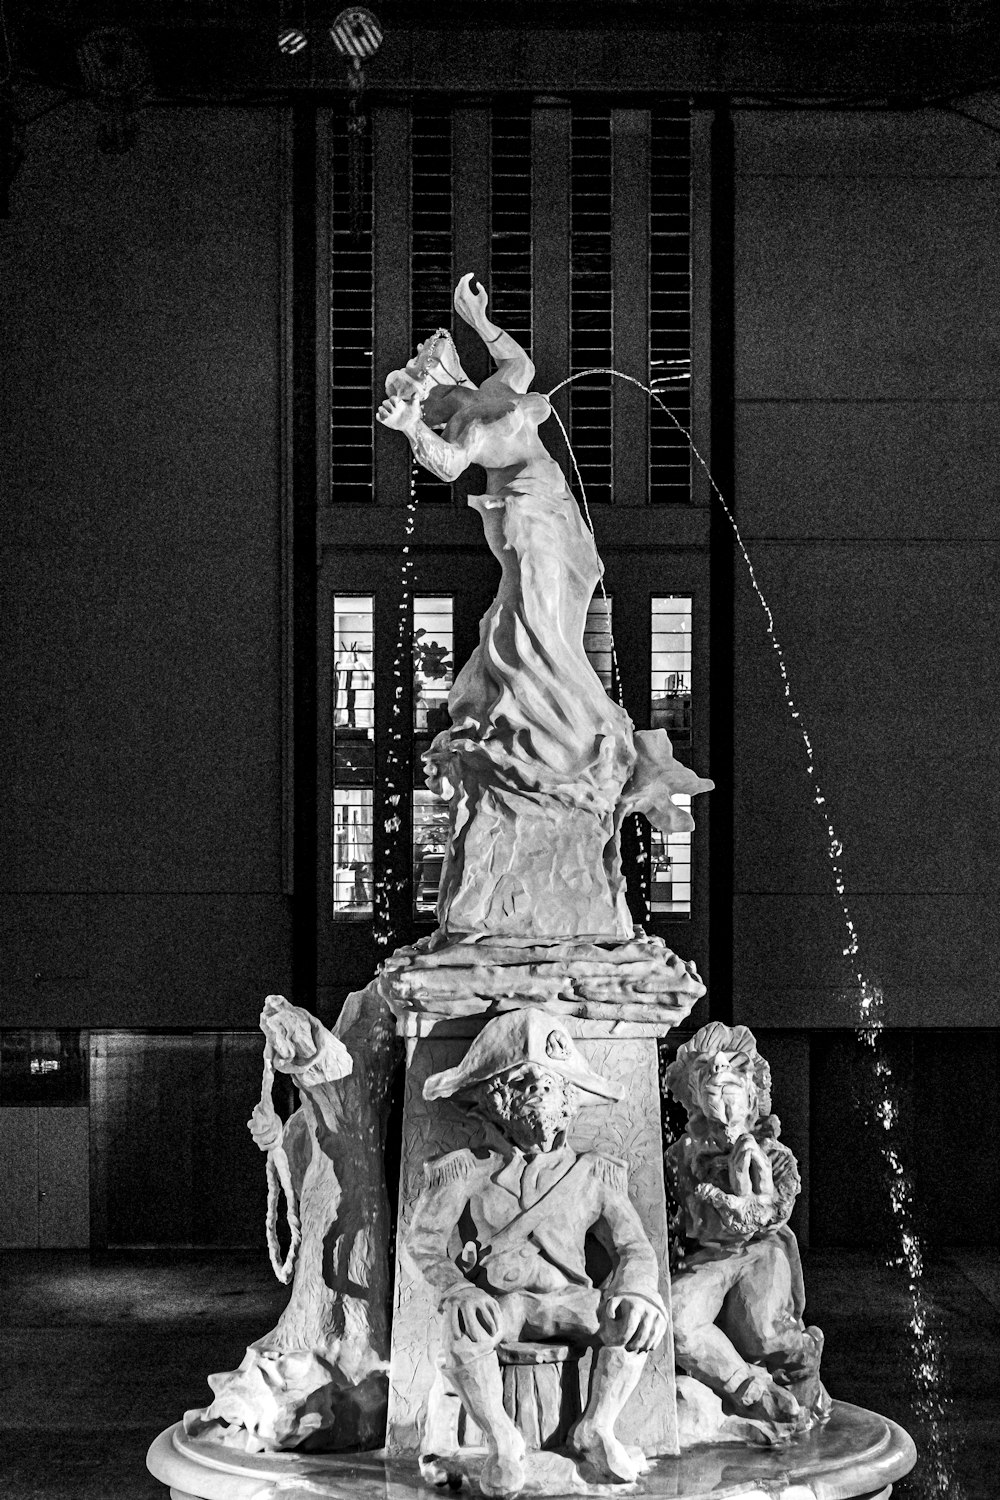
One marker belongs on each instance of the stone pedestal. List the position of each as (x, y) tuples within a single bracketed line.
[(622, 1051)]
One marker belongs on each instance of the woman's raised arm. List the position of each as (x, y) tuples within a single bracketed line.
[(512, 363)]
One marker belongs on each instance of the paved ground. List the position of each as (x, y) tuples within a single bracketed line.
[(95, 1359)]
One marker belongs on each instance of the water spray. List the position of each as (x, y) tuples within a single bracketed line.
[(928, 1370)]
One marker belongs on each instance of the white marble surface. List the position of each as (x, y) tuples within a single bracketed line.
[(857, 1454), (636, 979)]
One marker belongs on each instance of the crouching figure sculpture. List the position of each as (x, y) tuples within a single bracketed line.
[(738, 1299), (523, 1208)]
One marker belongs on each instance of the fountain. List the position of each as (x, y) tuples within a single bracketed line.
[(537, 1343)]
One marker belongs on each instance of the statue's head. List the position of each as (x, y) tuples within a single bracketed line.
[(721, 1077), (287, 1027), (432, 376), (533, 1106), (526, 1076)]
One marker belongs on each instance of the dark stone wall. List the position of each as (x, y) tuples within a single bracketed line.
[(142, 874), (867, 358), (142, 880)]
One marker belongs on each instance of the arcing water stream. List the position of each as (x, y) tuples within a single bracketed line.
[(928, 1371)]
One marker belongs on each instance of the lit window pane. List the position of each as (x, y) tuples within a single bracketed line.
[(433, 664), (670, 856), (670, 709), (352, 852), (430, 840), (433, 674), (353, 754)]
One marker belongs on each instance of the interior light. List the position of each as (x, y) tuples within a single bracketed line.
[(356, 33), (291, 40)]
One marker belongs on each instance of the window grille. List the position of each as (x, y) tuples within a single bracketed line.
[(351, 330), (670, 302), (590, 248), (510, 236), (432, 282), (590, 298)]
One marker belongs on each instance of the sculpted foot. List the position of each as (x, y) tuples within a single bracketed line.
[(766, 1401), (502, 1474), (609, 1458)]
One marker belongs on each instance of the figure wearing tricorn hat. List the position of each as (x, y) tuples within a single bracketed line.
[(525, 1210)]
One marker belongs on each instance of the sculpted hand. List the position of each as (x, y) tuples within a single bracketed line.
[(471, 306), (640, 1325), (749, 1168), (265, 1127), (739, 1212), (473, 1315), (395, 412)]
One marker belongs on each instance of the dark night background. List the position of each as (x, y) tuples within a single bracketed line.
[(161, 573)]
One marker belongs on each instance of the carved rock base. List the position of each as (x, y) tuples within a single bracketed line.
[(635, 979), (858, 1454)]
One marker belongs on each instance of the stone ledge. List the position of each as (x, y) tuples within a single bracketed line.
[(633, 980)]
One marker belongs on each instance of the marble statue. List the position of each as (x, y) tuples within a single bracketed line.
[(540, 764), (318, 1380), (533, 1330), (738, 1298), (524, 1203)]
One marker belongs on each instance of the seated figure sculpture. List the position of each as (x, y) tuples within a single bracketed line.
[(738, 1299), (524, 1210)]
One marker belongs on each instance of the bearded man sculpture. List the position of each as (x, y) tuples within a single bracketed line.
[(524, 1210), (738, 1299)]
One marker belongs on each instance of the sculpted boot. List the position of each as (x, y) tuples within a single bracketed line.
[(616, 1375), (480, 1385)]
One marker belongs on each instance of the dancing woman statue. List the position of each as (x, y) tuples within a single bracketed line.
[(540, 764)]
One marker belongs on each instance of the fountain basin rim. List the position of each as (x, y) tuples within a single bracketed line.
[(858, 1454)]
